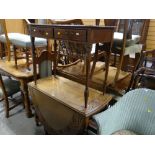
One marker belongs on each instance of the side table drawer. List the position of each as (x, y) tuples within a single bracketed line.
[(42, 32), (70, 34)]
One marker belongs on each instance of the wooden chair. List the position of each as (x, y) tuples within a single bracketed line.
[(129, 38), (66, 52), (43, 63), (9, 88), (144, 74), (135, 39), (20, 41), (73, 52)]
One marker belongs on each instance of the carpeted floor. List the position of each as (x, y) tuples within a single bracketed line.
[(18, 123)]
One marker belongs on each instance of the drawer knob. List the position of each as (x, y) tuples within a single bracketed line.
[(77, 33), (46, 33), (58, 33), (34, 30)]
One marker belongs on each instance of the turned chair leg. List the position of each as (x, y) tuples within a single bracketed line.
[(27, 59), (15, 56), (125, 63)]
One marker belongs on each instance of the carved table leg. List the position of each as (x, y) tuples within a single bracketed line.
[(106, 70), (94, 61), (15, 56), (86, 92), (55, 57), (24, 88)]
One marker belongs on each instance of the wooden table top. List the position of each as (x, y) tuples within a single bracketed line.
[(9, 68), (71, 94)]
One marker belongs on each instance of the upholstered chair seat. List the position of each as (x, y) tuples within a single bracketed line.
[(135, 112), (23, 40), (132, 45), (11, 86), (133, 49), (118, 39)]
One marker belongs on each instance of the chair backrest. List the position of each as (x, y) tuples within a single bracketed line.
[(73, 50), (3, 30), (68, 22), (2, 86), (144, 75), (111, 22), (136, 27), (44, 62)]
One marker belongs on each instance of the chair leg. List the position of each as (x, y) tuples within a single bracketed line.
[(94, 64), (2, 50), (125, 63), (1, 99), (37, 119), (27, 59), (22, 94), (6, 107), (15, 56), (115, 58)]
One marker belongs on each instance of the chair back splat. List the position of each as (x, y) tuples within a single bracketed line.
[(144, 74)]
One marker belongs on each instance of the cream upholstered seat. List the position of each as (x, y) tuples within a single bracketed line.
[(23, 40), (118, 39)]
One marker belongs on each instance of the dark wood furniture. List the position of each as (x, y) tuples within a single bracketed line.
[(59, 102), (85, 35), (144, 74), (23, 75), (73, 52), (129, 28), (59, 105), (66, 52)]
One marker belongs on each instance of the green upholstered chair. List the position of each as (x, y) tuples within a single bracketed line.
[(134, 112), (9, 87)]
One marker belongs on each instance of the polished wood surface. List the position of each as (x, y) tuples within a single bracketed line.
[(21, 74), (59, 104), (10, 68), (61, 89)]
